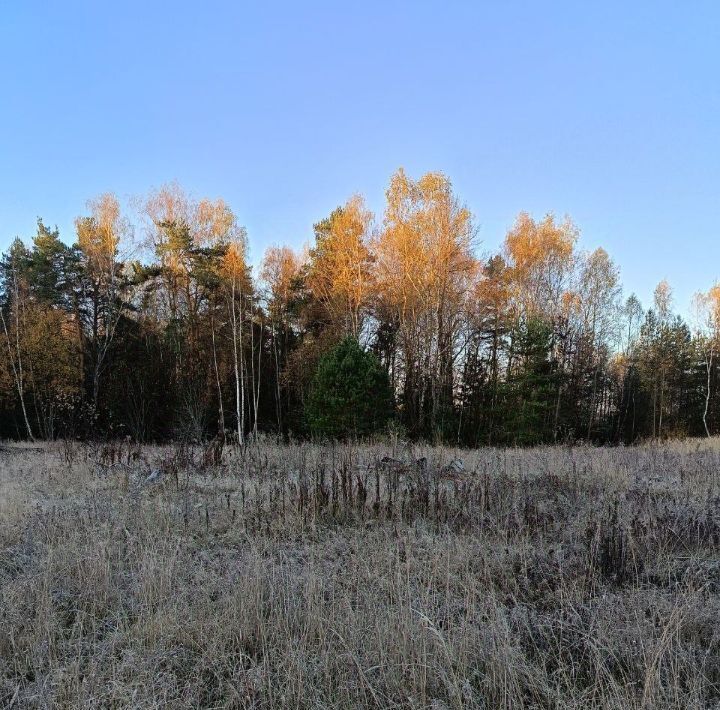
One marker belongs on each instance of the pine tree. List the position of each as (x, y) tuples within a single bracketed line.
[(350, 394)]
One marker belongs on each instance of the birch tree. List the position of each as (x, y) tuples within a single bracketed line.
[(281, 272), (100, 236), (424, 271), (339, 272), (10, 311), (706, 308)]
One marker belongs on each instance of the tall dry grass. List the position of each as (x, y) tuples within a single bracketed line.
[(319, 577)]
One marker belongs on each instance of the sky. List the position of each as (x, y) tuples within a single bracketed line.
[(605, 111)]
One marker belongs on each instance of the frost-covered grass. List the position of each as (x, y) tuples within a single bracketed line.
[(307, 576)]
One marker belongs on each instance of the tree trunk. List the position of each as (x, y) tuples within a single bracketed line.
[(221, 413), (17, 371), (707, 391), (239, 385)]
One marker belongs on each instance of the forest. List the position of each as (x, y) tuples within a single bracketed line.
[(153, 325)]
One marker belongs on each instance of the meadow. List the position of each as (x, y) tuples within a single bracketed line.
[(352, 576)]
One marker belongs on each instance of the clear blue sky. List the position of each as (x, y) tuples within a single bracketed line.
[(607, 111)]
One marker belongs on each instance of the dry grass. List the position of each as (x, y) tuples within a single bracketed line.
[(545, 578)]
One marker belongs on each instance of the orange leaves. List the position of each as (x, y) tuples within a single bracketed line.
[(215, 223), (529, 243), (106, 212), (233, 263), (541, 255), (49, 341), (280, 270), (570, 304), (99, 234), (713, 301), (199, 243), (492, 290), (714, 295), (339, 272), (425, 253), (706, 307), (205, 223)]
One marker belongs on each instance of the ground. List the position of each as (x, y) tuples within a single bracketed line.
[(309, 576)]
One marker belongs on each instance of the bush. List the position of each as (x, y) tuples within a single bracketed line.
[(350, 393)]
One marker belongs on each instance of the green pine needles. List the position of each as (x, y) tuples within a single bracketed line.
[(350, 393)]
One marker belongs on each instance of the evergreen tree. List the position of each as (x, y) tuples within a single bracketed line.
[(350, 393), (529, 390)]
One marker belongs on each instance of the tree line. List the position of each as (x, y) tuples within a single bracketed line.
[(162, 330)]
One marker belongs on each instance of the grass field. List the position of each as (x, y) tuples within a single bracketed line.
[(308, 576)]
